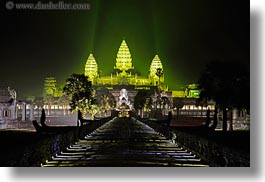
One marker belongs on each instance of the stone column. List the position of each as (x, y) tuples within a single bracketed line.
[(31, 112), (23, 111), (1, 113), (234, 116), (14, 110)]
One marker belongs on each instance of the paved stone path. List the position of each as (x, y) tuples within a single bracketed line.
[(125, 142)]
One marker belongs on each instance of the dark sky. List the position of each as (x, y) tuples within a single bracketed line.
[(186, 34)]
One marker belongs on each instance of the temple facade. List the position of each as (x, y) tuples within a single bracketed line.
[(124, 82), (125, 78), (8, 110), (11, 109), (124, 72)]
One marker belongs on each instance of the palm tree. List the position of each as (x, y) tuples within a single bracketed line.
[(178, 104), (164, 102), (227, 84), (140, 100), (159, 73)]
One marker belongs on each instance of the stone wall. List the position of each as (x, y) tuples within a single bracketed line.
[(214, 154)]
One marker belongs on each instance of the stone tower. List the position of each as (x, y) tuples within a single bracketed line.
[(124, 60), (91, 68), (155, 64)]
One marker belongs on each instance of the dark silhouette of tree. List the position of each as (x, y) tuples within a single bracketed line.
[(49, 100), (141, 99), (79, 90), (148, 102), (163, 102), (105, 100), (64, 102), (228, 84), (178, 104), (159, 73)]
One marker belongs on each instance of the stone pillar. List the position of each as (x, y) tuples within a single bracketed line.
[(1, 113), (31, 112), (14, 110), (234, 116), (231, 121), (23, 111)]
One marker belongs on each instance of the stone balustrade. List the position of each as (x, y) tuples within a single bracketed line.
[(49, 145), (215, 154)]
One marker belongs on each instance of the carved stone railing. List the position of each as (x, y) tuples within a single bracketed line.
[(49, 145), (216, 155)]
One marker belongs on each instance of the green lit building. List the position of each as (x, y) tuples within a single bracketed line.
[(124, 76), (124, 72), (125, 80)]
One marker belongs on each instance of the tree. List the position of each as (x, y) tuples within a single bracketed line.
[(105, 100), (31, 99), (141, 99), (178, 104), (64, 102), (164, 101), (159, 73), (79, 90), (49, 100), (148, 103), (228, 84)]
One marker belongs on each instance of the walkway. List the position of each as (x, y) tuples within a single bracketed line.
[(125, 142)]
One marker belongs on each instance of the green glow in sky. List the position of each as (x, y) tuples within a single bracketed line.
[(185, 34)]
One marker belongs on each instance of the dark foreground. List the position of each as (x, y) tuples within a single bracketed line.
[(13, 145), (120, 142)]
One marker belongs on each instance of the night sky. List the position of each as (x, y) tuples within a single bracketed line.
[(186, 34)]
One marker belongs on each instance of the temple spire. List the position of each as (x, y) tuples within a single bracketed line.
[(91, 68), (123, 60), (155, 64)]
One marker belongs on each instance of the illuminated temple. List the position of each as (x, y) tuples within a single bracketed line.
[(121, 86), (124, 82), (124, 73)]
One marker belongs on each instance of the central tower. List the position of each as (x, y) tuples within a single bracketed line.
[(123, 60)]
